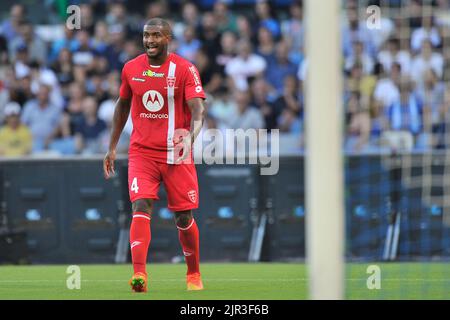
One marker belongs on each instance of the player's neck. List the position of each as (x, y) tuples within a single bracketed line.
[(157, 62)]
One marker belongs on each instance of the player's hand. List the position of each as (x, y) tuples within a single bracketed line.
[(108, 163), (185, 143)]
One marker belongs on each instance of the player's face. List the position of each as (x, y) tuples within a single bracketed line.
[(155, 40)]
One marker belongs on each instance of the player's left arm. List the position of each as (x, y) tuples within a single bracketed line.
[(198, 111)]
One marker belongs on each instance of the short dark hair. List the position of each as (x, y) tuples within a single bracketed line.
[(160, 22)]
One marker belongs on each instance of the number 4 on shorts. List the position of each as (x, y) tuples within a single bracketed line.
[(134, 186)]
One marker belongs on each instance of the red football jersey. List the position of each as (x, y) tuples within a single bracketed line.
[(159, 102)]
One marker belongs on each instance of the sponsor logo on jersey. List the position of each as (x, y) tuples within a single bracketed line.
[(138, 79), (198, 87), (195, 75), (192, 194), (153, 101), (187, 254), (150, 73), (154, 115)]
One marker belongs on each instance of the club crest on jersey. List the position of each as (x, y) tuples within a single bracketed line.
[(150, 73), (153, 101), (192, 195), (171, 82)]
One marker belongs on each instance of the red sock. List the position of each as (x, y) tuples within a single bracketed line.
[(140, 236), (189, 240)]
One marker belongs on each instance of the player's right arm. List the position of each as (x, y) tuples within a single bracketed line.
[(121, 113)]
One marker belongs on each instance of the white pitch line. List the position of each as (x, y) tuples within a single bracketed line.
[(224, 280)]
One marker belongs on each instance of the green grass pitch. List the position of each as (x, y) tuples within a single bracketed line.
[(223, 281)]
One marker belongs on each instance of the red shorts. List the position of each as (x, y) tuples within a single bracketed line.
[(180, 181)]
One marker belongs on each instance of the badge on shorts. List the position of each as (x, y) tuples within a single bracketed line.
[(192, 195)]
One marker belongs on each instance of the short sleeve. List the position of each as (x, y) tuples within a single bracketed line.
[(193, 85), (125, 90)]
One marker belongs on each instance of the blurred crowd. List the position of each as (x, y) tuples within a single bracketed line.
[(58, 86)]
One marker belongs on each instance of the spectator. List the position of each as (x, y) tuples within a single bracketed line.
[(394, 54), (224, 18), (293, 31), (10, 28), (290, 122), (265, 18), (244, 66), (15, 138), (106, 113), (228, 42), (289, 98), (100, 41), (63, 68), (415, 11), (358, 125), (69, 42), (262, 100), (432, 96), (42, 117), (244, 28), (209, 35), (428, 31), (245, 116), (4, 58), (37, 49), (222, 108), (386, 92), (266, 45), (427, 59), (62, 140), (117, 36), (156, 9), (356, 31), (89, 129), (84, 54), (43, 75), (209, 72), (74, 106), (359, 55), (189, 44), (364, 84), (107, 107), (280, 68), (190, 17), (20, 90), (405, 120), (441, 132), (87, 18)]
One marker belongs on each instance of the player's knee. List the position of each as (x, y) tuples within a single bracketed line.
[(183, 218), (142, 205)]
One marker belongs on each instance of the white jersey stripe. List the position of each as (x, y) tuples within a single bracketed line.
[(171, 112)]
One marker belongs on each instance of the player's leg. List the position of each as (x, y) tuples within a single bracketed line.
[(140, 237), (182, 195), (140, 233), (143, 180), (188, 235), (189, 239)]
